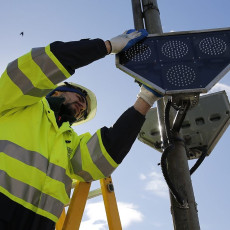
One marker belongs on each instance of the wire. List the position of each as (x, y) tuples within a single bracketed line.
[(164, 156), (171, 146), (167, 121), (164, 169), (199, 161)]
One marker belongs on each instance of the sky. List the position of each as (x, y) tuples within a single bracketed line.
[(141, 192)]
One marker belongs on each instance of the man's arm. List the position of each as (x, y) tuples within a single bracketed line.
[(108, 46), (141, 106), (119, 138), (76, 54)]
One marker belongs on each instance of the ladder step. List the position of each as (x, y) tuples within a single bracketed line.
[(94, 193)]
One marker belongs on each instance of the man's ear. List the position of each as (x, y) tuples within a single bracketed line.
[(57, 94)]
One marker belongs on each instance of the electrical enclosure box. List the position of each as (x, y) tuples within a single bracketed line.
[(203, 125), (179, 62)]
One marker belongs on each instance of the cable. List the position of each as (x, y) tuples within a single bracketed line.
[(199, 161), (167, 150), (167, 121), (164, 169), (171, 146)]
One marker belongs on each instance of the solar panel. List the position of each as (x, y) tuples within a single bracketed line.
[(179, 62), (202, 127)]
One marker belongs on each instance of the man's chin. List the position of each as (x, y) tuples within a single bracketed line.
[(68, 110)]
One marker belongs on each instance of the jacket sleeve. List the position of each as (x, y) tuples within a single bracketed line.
[(74, 55), (89, 159), (29, 78), (97, 156), (119, 138)]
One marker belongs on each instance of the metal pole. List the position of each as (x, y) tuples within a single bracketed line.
[(184, 219), (152, 16), (137, 15)]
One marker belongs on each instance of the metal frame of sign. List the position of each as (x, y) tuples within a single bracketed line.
[(181, 62)]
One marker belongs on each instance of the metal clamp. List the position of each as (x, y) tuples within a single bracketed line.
[(178, 100)]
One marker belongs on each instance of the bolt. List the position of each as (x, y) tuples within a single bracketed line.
[(110, 187)]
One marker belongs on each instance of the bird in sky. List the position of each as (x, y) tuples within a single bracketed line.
[(22, 33)]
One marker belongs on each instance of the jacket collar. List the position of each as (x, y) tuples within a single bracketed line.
[(65, 126)]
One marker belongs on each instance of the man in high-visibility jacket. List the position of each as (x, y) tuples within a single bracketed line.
[(40, 152)]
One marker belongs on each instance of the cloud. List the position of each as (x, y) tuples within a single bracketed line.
[(142, 176), (96, 216), (156, 184), (129, 214)]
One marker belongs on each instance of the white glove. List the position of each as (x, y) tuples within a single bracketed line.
[(126, 40), (149, 95)]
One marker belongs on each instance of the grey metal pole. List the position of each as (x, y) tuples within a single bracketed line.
[(151, 14), (137, 15), (183, 218)]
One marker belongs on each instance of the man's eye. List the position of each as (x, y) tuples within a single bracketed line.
[(78, 97)]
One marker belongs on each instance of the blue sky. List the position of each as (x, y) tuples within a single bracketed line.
[(141, 192)]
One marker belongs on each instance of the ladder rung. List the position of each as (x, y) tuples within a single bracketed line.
[(92, 194)]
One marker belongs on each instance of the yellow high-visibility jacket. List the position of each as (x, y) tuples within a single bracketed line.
[(38, 160)]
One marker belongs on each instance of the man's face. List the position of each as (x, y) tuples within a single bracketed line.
[(75, 102)]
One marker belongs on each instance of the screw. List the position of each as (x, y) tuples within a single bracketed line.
[(110, 187)]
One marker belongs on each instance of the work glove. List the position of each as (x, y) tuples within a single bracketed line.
[(126, 40), (149, 95)]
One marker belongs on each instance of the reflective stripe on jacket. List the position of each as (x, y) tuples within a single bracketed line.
[(38, 160)]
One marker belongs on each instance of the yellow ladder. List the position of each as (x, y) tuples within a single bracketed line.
[(72, 220)]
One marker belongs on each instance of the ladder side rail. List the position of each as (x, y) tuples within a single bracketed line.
[(110, 203)]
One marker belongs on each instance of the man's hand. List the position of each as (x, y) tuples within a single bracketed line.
[(149, 95), (146, 99), (126, 40)]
